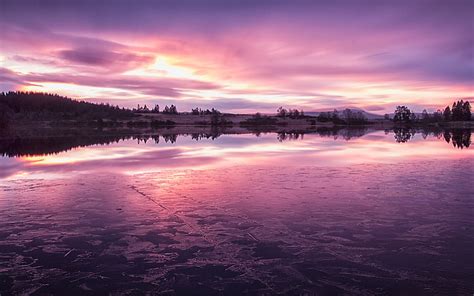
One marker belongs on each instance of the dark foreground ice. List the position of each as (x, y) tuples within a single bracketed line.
[(251, 226)]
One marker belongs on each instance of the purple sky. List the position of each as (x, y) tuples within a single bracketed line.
[(242, 55)]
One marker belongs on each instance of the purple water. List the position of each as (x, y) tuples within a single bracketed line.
[(241, 214)]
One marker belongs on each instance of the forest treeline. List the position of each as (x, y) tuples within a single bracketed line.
[(44, 106), (345, 117), (34, 106), (460, 111)]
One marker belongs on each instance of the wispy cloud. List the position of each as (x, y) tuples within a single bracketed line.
[(313, 54)]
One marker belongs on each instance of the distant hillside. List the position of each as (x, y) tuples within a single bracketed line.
[(43, 106), (368, 115)]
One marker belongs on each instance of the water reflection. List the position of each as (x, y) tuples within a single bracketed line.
[(332, 212), (42, 157), (460, 138), (35, 146)]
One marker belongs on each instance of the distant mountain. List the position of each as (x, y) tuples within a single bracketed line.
[(370, 116)]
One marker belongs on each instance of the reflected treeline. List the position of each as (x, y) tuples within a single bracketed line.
[(403, 135), (335, 133), (460, 138), (16, 146), (172, 138), (39, 146)]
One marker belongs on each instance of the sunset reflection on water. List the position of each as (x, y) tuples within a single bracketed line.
[(132, 156), (256, 214)]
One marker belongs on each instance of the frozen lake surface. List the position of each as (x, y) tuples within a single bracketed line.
[(240, 214)]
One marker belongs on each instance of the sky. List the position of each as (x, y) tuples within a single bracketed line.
[(242, 56)]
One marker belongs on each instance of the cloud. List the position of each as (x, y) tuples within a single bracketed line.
[(125, 162), (241, 53), (110, 60), (7, 75), (171, 87), (10, 80)]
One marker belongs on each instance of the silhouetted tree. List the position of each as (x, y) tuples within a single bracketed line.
[(170, 110), (447, 114), (467, 111), (324, 116), (461, 111), (437, 116), (457, 111), (173, 109), (351, 117), (282, 112), (293, 113), (425, 117), (215, 119), (403, 114), (199, 111)]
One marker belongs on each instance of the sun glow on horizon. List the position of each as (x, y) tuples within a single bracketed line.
[(162, 67), (66, 89), (239, 60)]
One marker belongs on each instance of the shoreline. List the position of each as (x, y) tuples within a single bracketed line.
[(40, 129), (191, 124)]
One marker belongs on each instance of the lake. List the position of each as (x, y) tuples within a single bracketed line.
[(346, 212)]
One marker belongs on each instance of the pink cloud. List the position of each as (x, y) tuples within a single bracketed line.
[(310, 54)]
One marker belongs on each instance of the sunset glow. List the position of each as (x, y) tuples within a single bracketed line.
[(254, 151), (236, 147), (244, 56)]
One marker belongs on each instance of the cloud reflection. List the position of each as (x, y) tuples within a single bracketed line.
[(132, 157)]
